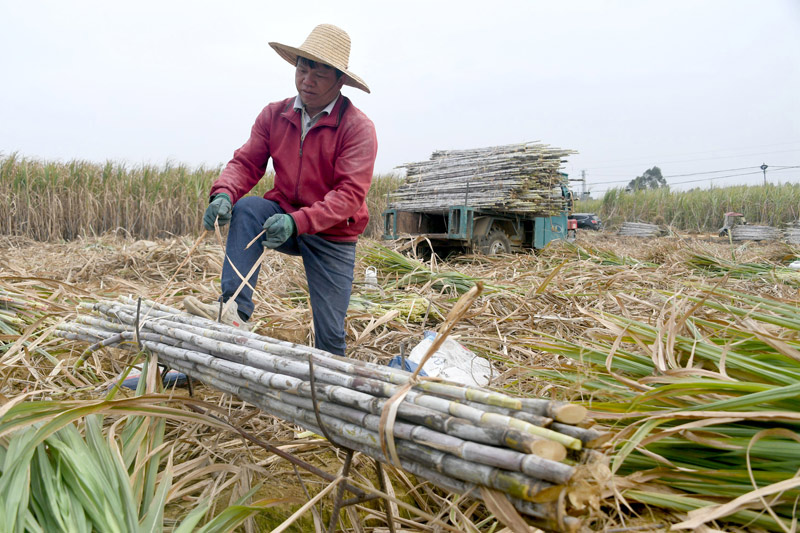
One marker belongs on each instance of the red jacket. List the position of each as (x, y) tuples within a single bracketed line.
[(321, 181)]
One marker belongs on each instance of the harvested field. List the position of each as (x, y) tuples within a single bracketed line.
[(643, 332)]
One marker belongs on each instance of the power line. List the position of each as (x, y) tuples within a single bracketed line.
[(694, 181), (773, 169), (797, 142), (683, 175), (716, 178), (705, 172), (737, 156)]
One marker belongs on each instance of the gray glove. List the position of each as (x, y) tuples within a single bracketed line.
[(279, 228), (218, 209)]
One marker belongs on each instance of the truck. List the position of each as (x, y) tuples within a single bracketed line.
[(489, 231)]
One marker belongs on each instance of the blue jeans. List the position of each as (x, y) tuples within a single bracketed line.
[(328, 265)]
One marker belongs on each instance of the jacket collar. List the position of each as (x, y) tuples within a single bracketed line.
[(298, 104), (294, 116)]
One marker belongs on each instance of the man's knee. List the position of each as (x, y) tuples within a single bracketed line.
[(255, 207)]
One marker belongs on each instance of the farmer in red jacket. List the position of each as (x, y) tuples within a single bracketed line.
[(323, 151)]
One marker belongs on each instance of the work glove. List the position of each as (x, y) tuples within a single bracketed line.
[(279, 228), (219, 208)]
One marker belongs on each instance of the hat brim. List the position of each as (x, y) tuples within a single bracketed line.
[(290, 54)]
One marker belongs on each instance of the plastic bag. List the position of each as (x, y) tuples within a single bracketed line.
[(172, 377), (405, 364), (452, 362)]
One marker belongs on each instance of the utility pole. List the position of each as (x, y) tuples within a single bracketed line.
[(583, 185), (764, 168)]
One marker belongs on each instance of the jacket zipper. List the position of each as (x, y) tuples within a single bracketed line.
[(299, 170)]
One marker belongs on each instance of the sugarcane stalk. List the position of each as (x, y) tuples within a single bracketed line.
[(536, 420), (562, 411), (531, 465), (453, 426), (513, 483), (591, 438), (252, 376), (268, 361), (541, 511), (463, 442)]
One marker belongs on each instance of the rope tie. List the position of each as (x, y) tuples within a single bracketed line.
[(137, 323), (313, 383), (389, 411)]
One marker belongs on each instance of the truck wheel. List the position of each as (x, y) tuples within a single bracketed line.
[(495, 243)]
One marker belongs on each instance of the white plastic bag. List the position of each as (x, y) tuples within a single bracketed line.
[(452, 362)]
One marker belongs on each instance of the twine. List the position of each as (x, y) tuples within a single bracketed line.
[(202, 236), (389, 411), (313, 386)]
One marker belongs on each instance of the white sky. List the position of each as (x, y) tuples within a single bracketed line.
[(692, 86)]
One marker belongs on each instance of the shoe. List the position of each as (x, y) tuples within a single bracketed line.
[(230, 314)]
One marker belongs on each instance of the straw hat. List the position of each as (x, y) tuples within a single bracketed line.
[(325, 44)]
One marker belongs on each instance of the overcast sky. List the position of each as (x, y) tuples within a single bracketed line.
[(699, 87)]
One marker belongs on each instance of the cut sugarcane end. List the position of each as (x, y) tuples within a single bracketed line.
[(548, 449), (570, 413)]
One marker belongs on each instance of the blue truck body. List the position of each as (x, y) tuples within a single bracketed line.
[(481, 230)]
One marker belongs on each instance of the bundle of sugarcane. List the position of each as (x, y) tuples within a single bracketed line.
[(751, 232), (458, 437), (641, 229), (791, 233), (20, 308), (522, 178)]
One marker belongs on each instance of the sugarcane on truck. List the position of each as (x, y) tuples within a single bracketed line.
[(488, 231)]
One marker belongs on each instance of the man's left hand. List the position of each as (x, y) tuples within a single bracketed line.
[(279, 228)]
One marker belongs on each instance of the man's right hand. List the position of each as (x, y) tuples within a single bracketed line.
[(218, 209)]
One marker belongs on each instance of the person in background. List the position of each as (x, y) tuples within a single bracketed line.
[(323, 151)]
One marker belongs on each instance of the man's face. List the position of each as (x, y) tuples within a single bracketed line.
[(316, 86)]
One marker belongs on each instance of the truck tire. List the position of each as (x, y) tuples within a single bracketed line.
[(495, 243)]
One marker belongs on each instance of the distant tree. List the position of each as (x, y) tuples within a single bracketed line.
[(651, 179)]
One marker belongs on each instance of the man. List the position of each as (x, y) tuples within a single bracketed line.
[(323, 151)]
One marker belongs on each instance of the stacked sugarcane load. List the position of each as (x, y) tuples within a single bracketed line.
[(463, 439), (518, 178), (791, 233)]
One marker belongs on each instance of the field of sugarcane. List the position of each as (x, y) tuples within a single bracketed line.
[(699, 210), (57, 200), (684, 351)]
